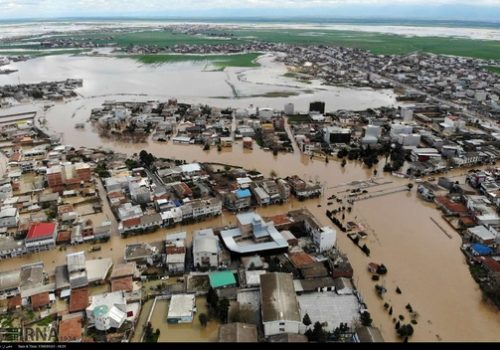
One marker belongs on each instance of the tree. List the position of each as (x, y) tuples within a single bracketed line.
[(203, 320), (306, 320), (405, 330), (222, 308), (318, 333), (212, 298), (366, 319)]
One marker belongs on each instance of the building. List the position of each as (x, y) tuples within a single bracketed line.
[(144, 253), (238, 333), (68, 176), (205, 249), (70, 329), (330, 308), (368, 335), (481, 234), (279, 307), (324, 238), (317, 106), (289, 109), (77, 270), (334, 134), (9, 283), (41, 236), (253, 235), (107, 311), (222, 279), (238, 200), (181, 308), (122, 277), (9, 217), (175, 250)]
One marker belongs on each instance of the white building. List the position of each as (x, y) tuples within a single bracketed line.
[(324, 238), (279, 306), (128, 211), (289, 108), (407, 114), (409, 139), (9, 217), (205, 249), (108, 310), (5, 191), (175, 249), (181, 308)]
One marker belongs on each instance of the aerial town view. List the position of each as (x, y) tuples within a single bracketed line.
[(249, 171)]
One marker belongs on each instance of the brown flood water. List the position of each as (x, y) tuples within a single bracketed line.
[(427, 266), (184, 332)]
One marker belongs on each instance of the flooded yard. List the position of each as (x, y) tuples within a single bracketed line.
[(184, 332)]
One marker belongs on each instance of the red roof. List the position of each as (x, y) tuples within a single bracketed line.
[(70, 330), (301, 259), (492, 264), (123, 283), (79, 299), (41, 230), (39, 300), (131, 222)]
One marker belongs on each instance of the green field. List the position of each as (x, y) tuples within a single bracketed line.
[(379, 43), (41, 53), (375, 42), (494, 69), (218, 61)]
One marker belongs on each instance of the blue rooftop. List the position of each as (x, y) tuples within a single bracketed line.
[(481, 249), (243, 193)]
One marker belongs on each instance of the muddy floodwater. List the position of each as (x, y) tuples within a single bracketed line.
[(422, 261)]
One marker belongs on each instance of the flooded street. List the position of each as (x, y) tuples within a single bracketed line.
[(424, 263)]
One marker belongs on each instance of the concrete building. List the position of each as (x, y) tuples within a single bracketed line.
[(334, 134), (107, 311), (289, 108), (77, 270), (9, 217), (68, 175), (181, 308), (41, 236), (253, 235), (238, 333), (175, 250), (279, 307), (205, 249), (324, 238)]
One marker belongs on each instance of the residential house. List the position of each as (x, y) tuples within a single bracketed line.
[(205, 249)]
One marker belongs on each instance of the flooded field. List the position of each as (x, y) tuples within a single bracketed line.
[(107, 78)]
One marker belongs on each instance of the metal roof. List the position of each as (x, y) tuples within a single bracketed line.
[(278, 298), (221, 279)]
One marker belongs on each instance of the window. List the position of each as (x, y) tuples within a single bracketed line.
[(282, 323), (282, 329)]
